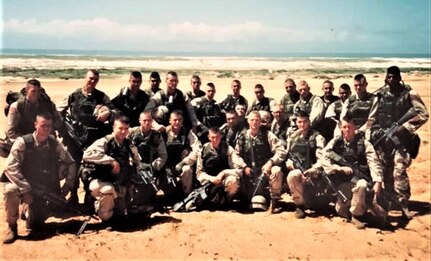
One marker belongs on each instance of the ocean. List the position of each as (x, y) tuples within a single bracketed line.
[(8, 52)]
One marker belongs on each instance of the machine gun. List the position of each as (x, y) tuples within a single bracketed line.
[(195, 199), (61, 203), (389, 133)]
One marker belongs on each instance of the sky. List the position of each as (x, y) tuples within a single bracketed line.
[(327, 26)]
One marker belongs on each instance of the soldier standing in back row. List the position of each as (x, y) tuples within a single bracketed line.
[(89, 109), (234, 99), (393, 101), (131, 100)]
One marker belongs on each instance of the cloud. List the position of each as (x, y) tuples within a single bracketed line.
[(103, 29)]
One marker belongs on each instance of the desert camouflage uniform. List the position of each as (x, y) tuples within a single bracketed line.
[(313, 106), (300, 146), (109, 194), (359, 152), (228, 162), (21, 178), (277, 155), (389, 109)]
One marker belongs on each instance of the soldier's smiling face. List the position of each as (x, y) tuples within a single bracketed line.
[(348, 130)]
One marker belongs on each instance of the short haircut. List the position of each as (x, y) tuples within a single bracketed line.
[(136, 74), (328, 81), (254, 113), (237, 81), (233, 112), (345, 87), (94, 71), (302, 114), (259, 86), (145, 113), (291, 81), (176, 113), (34, 82), (174, 74), (123, 119), (155, 75), (359, 77), (348, 118), (210, 84), (45, 115), (196, 77), (214, 130)]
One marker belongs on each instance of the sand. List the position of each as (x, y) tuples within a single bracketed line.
[(231, 235)]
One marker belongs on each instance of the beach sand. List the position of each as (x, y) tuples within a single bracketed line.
[(230, 235)]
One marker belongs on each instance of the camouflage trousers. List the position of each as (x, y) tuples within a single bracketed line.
[(108, 198), (12, 199), (395, 172), (275, 182), (186, 179), (357, 205)]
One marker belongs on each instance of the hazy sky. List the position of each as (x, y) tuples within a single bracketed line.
[(366, 26)]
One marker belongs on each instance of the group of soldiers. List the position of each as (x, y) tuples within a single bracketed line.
[(146, 151)]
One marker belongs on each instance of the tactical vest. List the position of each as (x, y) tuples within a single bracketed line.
[(288, 101), (304, 148), (39, 166), (360, 109), (306, 105), (147, 145), (210, 114), (338, 106), (214, 161), (28, 113), (82, 107), (258, 148), (280, 129), (175, 146), (123, 155), (262, 106), (230, 102), (192, 95), (354, 151), (131, 107), (391, 107)]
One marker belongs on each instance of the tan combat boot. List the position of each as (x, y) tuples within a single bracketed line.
[(11, 234)]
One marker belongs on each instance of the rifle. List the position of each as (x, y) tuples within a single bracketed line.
[(358, 174), (298, 164), (339, 193), (389, 133), (146, 176), (71, 130), (194, 199), (171, 177), (60, 202)]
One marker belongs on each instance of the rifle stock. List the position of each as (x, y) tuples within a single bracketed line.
[(198, 193), (60, 202)]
